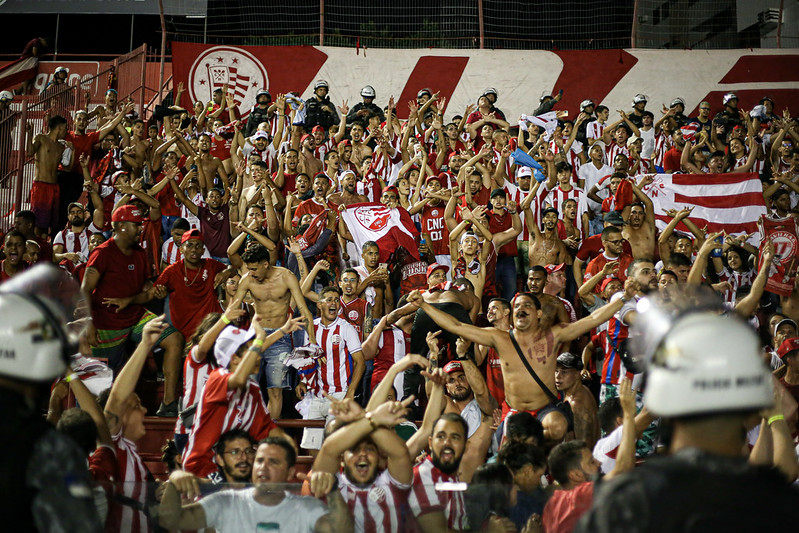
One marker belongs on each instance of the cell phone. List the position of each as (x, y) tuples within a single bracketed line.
[(383, 265)]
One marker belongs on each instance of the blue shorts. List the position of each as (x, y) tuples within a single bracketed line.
[(273, 372)]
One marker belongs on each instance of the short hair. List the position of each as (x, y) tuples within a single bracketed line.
[(620, 175), (564, 458), (291, 453), (667, 272), (635, 263), (563, 166), (231, 435), (255, 254), (649, 114), (330, 288), (181, 223), (533, 297), (463, 282), (539, 269), (260, 164), (369, 244), (523, 425), (78, 425), (452, 417), (351, 271), (607, 414), (169, 455), (292, 150), (677, 260), (501, 301), (600, 108), (516, 455), (328, 154), (26, 214), (608, 231), (639, 204), (55, 121), (15, 233)]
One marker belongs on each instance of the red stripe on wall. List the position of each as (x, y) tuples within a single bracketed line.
[(437, 73)]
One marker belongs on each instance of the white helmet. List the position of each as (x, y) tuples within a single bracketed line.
[(368, 92), (321, 83), (34, 342), (707, 363), (640, 98), (6, 95)]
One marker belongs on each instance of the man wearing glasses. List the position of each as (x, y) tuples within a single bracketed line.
[(235, 450), (703, 118), (612, 241)]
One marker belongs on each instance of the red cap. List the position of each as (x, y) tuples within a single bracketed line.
[(453, 366), (551, 269), (788, 346), (453, 154), (393, 189), (345, 142), (606, 281), (317, 128), (128, 213), (191, 234), (435, 266), (306, 136), (433, 177)]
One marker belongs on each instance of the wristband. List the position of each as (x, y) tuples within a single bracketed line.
[(257, 343), (281, 330), (74, 376), (368, 416), (225, 320), (775, 418)]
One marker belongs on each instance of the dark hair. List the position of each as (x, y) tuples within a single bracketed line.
[(169, 454), (231, 435), (488, 493), (648, 114), (564, 458), (463, 282), (205, 324), (608, 231), (255, 254), (607, 414), (638, 204), (667, 272), (501, 301), (522, 426), (330, 288), (677, 260), (14, 233), (351, 271), (260, 164), (55, 121), (181, 223), (291, 453), (563, 166), (635, 263), (27, 215), (78, 425), (533, 297), (327, 155), (516, 455), (538, 268), (598, 109), (452, 417), (369, 244), (102, 398)]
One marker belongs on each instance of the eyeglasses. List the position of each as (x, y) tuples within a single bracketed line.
[(704, 108), (249, 452)]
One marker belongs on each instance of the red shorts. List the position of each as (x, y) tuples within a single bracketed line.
[(44, 203)]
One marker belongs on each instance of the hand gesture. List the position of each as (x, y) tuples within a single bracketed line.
[(462, 346), (84, 160), (432, 343), (346, 410), (120, 303), (389, 414), (631, 288), (442, 104), (611, 267), (505, 153), (469, 110), (294, 246), (234, 310), (129, 107), (409, 361), (321, 483), (627, 397), (768, 251), (436, 376), (711, 243), (391, 102), (185, 483), (292, 325), (344, 108), (230, 99), (153, 330), (415, 298), (512, 206), (323, 264)]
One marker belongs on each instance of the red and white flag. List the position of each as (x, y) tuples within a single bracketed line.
[(784, 233), (20, 70), (220, 75), (389, 228), (689, 131), (314, 230), (732, 203)]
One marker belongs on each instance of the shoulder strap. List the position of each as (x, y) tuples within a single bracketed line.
[(532, 372)]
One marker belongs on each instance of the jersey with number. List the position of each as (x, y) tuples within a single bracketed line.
[(425, 498), (354, 312), (380, 507), (434, 225)]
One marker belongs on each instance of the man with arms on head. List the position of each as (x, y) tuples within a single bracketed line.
[(640, 228), (583, 404), (264, 507), (545, 247), (538, 345), (272, 289)]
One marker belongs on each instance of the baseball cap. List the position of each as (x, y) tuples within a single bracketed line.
[(260, 134), (345, 142), (728, 97), (632, 140), (436, 266), (614, 218), (551, 269), (434, 177), (317, 128), (127, 213), (586, 103), (524, 171), (393, 189), (788, 346), (498, 192), (549, 210), (191, 234), (782, 323), (228, 342), (453, 366), (606, 282), (306, 136), (598, 143), (570, 360)]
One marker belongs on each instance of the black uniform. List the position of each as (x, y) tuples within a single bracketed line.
[(256, 116), (316, 116)]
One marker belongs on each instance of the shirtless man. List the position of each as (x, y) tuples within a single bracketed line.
[(48, 151), (140, 146), (272, 289), (308, 162), (539, 345), (640, 216), (545, 248), (208, 166), (582, 402)]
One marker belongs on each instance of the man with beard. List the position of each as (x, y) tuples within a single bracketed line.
[(71, 245), (266, 506), (376, 498), (498, 315), (545, 248), (215, 218), (440, 510), (235, 450), (640, 228), (582, 402), (308, 163), (540, 346), (613, 244)]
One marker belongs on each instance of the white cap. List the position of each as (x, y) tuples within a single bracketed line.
[(260, 134), (524, 171), (632, 140), (228, 342), (728, 97)]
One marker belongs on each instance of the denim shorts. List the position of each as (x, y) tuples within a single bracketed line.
[(273, 372)]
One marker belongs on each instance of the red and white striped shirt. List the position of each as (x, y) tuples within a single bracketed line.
[(594, 130), (131, 482), (170, 252), (663, 144), (195, 374), (425, 498), (339, 341), (321, 150), (735, 279), (515, 194), (76, 243), (221, 410), (380, 507), (558, 196), (613, 150), (392, 346)]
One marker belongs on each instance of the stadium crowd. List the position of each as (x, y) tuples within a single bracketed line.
[(266, 259)]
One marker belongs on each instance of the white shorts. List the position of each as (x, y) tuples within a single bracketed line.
[(318, 409)]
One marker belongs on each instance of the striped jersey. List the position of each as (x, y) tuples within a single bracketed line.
[(195, 374), (392, 346), (76, 243), (379, 508), (338, 341), (131, 482), (425, 498)]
